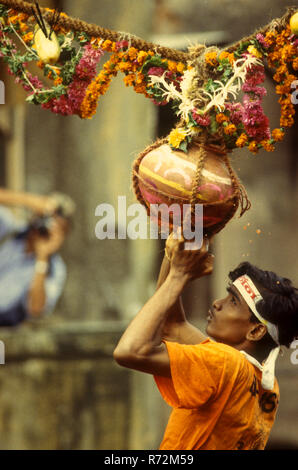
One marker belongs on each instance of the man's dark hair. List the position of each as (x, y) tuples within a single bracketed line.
[(280, 299)]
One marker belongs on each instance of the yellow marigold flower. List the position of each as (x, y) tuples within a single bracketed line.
[(172, 66), (277, 135), (254, 51), (242, 140), (230, 129), (142, 56), (180, 67), (176, 137), (221, 117), (211, 58)]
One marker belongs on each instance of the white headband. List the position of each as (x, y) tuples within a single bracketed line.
[(251, 295)]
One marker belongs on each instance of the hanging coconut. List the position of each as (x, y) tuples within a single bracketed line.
[(203, 175)]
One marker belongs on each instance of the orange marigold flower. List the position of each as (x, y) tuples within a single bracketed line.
[(40, 64), (270, 38), (227, 55), (23, 27), (28, 37), (107, 45), (14, 19), (133, 53), (230, 129), (282, 89), (172, 66), (58, 81), (211, 58), (221, 117), (267, 145), (129, 79), (140, 89), (142, 56), (140, 79), (242, 140), (253, 147), (295, 63), (277, 135), (124, 66)]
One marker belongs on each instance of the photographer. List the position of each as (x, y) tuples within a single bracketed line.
[(32, 273)]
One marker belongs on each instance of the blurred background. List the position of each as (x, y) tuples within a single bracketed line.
[(60, 388)]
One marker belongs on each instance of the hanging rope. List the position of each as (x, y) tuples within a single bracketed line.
[(94, 30)]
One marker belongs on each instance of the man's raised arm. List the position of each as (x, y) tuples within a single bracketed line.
[(141, 346)]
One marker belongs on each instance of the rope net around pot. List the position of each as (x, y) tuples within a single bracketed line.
[(202, 176)]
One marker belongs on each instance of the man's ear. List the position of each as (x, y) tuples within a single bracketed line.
[(256, 332)]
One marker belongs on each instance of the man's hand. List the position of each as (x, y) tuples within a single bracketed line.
[(189, 263)]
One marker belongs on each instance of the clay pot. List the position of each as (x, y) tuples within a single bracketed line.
[(166, 176)]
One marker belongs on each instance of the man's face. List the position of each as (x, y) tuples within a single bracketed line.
[(229, 319)]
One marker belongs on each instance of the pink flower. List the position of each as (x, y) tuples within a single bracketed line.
[(86, 68), (121, 45), (261, 39), (84, 73), (156, 71), (200, 120), (255, 121), (236, 112)]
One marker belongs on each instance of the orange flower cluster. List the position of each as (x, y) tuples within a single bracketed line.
[(227, 55), (242, 140), (230, 129), (98, 87), (281, 57), (16, 17), (211, 58)]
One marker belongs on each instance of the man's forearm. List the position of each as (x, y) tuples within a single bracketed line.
[(146, 330), (176, 327)]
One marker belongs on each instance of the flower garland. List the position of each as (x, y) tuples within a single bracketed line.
[(244, 124), (77, 85), (206, 103)]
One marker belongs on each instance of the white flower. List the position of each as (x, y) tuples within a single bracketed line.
[(233, 85)]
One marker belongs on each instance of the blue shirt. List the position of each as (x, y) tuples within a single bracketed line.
[(17, 272)]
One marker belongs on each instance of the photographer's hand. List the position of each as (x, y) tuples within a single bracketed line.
[(44, 248)]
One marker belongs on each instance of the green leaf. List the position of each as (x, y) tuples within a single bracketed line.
[(183, 146)]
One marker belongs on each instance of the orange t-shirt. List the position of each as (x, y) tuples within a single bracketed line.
[(217, 398)]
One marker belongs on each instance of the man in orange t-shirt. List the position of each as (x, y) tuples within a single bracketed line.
[(223, 390)]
